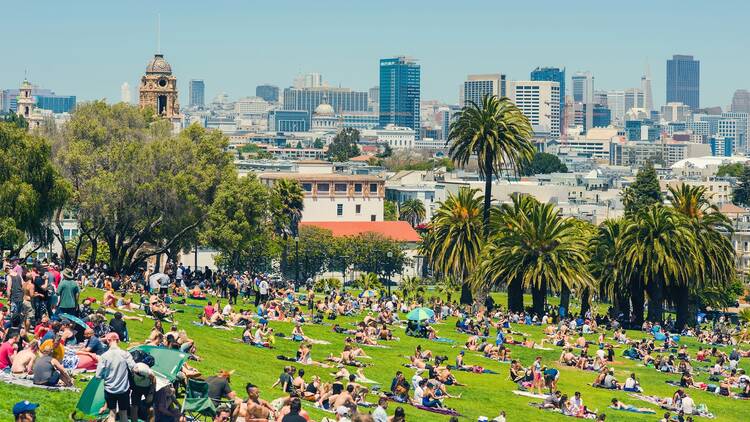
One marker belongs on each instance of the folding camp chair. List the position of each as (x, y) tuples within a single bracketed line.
[(197, 404)]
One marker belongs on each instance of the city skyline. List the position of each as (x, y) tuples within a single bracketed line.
[(233, 56)]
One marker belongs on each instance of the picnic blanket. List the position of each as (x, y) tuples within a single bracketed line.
[(700, 410), (438, 410), (530, 394), (635, 410), (26, 382), (555, 410)]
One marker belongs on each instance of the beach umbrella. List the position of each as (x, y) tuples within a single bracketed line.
[(420, 314), (368, 293), (72, 318)]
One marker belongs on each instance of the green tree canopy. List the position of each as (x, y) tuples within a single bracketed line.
[(644, 192), (544, 163), (344, 145), (31, 188), (741, 194), (731, 170), (390, 211)]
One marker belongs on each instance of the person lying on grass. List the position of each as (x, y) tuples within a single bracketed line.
[(617, 404)]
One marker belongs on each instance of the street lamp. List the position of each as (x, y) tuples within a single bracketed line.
[(296, 261), (343, 272), (390, 255)]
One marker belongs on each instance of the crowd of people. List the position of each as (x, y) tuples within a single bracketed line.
[(52, 333)]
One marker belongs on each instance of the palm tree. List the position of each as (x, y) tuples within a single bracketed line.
[(412, 211), (606, 265), (659, 251), (368, 281), (455, 238), (499, 134), (710, 227), (410, 287), (288, 203), (502, 218), (543, 250)]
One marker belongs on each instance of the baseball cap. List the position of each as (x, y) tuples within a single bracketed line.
[(342, 411), (23, 407)]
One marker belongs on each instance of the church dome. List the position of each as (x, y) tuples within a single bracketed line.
[(158, 65), (324, 110)]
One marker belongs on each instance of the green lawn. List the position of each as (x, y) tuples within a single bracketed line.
[(485, 394)]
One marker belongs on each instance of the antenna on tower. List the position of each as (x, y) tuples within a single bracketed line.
[(158, 33)]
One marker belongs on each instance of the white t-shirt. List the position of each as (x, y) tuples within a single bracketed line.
[(418, 394), (600, 354), (379, 415), (688, 405), (630, 383), (227, 309), (415, 381), (263, 287)]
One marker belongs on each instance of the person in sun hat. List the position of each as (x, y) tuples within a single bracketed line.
[(68, 294), (25, 411)]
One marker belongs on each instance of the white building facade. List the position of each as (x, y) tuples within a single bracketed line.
[(540, 102)]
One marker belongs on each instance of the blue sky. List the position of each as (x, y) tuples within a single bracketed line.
[(89, 48)]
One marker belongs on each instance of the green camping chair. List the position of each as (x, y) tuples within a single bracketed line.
[(197, 403)]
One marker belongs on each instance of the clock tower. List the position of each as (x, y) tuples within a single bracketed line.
[(158, 89)]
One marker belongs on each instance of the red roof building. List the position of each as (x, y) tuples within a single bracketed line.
[(400, 231)]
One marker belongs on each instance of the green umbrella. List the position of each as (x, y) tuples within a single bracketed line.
[(73, 318), (420, 314), (167, 366)]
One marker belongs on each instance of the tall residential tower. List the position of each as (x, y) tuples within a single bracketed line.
[(683, 81), (400, 93)]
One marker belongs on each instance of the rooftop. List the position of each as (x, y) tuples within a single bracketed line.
[(400, 231), (321, 177)]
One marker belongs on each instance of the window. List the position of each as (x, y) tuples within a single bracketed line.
[(339, 209), (358, 187), (373, 188), (324, 187), (307, 187), (340, 187), (372, 217), (358, 209)]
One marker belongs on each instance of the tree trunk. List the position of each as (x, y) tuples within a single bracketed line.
[(585, 301), (466, 296), (515, 296), (637, 297), (564, 309), (682, 302), (655, 291), (487, 195), (539, 298), (94, 252)]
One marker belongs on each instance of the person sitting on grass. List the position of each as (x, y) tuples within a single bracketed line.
[(23, 361), (632, 384), (48, 371)]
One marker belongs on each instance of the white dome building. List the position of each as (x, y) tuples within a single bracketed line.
[(324, 118)]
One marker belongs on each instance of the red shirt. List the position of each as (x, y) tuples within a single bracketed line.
[(209, 311), (40, 330), (6, 351)]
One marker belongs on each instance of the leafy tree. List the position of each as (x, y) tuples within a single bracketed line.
[(17, 120), (390, 212), (454, 242), (311, 254), (741, 194), (31, 188), (319, 143), (236, 224), (542, 249), (344, 145), (369, 253), (327, 284), (731, 170), (137, 187), (644, 192), (387, 152), (412, 211), (299, 145), (498, 134), (544, 163), (411, 287)]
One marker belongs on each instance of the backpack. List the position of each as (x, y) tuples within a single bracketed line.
[(141, 356)]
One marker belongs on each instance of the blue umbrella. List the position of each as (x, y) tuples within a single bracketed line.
[(368, 293), (72, 318)]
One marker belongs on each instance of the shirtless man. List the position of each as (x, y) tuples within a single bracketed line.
[(345, 398), (254, 409), (23, 361)]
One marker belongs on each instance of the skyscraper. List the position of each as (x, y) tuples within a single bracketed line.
[(400, 93), (197, 93), (616, 104), (540, 103), (583, 87), (741, 101), (269, 93), (648, 96), (125, 93), (633, 98), (683, 81), (553, 74), (308, 80), (477, 86)]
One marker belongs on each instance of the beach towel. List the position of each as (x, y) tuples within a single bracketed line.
[(439, 410), (25, 382), (635, 410), (530, 394), (444, 340)]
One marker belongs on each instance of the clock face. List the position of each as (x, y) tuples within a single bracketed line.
[(160, 65), (162, 82)]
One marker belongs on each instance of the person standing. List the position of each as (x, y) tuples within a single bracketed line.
[(14, 291), (68, 292), (263, 289), (113, 368)]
